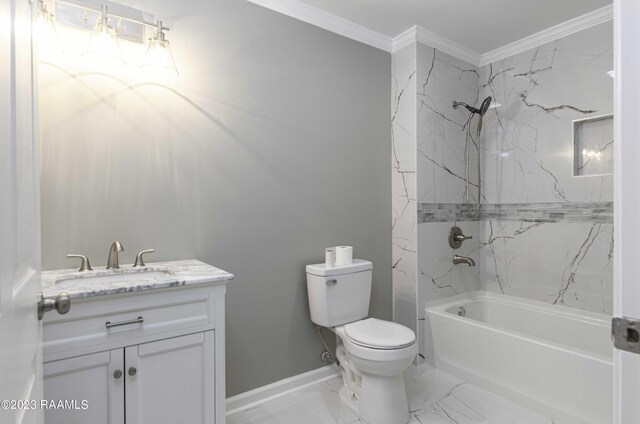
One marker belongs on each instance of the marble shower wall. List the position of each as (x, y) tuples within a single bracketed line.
[(442, 130), (441, 139), (429, 139), (527, 139), (541, 233), (403, 185), (564, 257), (568, 263)]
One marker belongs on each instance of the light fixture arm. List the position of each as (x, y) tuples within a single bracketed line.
[(103, 43), (160, 32), (105, 14), (42, 7), (104, 17), (161, 28)]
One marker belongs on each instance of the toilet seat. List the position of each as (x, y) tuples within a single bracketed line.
[(376, 353), (374, 333)]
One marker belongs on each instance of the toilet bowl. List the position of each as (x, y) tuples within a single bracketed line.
[(372, 364), (373, 353)]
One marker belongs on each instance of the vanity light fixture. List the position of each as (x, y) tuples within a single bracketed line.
[(103, 44), (159, 53)]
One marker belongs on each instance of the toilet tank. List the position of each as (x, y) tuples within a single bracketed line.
[(340, 294)]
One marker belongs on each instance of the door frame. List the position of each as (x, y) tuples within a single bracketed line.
[(626, 291)]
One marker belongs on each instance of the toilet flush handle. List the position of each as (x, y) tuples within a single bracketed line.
[(332, 282)]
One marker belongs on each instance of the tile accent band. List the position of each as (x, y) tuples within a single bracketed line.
[(597, 212)]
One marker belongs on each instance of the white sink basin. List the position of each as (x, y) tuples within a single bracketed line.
[(106, 278)]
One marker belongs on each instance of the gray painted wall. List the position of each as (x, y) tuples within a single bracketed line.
[(273, 143)]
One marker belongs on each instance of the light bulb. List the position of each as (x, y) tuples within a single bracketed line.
[(159, 54), (103, 47)]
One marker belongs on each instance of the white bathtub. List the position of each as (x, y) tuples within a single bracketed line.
[(554, 359)]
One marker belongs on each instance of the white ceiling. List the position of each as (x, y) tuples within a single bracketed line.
[(479, 25)]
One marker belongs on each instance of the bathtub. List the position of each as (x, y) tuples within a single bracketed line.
[(553, 359)]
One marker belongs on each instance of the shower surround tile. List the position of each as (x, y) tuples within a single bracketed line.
[(555, 252), (559, 263), (403, 184), (527, 138), (442, 130), (434, 397), (438, 276), (440, 145), (600, 212), (545, 234), (539, 232)]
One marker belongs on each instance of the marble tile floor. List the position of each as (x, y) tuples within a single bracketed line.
[(435, 397)]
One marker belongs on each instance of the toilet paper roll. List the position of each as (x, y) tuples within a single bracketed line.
[(329, 257), (344, 255)]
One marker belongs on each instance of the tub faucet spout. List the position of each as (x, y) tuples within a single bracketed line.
[(463, 260)]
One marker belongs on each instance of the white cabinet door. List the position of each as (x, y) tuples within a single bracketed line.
[(97, 378), (20, 331), (171, 381)]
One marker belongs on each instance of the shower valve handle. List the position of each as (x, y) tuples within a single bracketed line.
[(456, 237)]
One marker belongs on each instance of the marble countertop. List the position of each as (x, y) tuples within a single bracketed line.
[(178, 273)]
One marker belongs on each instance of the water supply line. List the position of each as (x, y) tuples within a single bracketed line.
[(327, 355)]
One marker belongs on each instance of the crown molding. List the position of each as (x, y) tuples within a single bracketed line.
[(403, 40), (325, 20), (447, 46), (314, 16), (569, 27), (432, 39)]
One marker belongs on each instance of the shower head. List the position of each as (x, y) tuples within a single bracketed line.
[(476, 111), (484, 107)]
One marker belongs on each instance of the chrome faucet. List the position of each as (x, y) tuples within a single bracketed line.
[(463, 260), (112, 262)]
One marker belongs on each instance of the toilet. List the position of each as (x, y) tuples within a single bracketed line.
[(373, 353)]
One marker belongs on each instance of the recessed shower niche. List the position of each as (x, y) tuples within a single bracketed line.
[(593, 146)]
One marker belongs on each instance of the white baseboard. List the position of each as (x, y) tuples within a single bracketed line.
[(263, 394)]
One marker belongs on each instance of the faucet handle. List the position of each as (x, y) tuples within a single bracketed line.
[(85, 265), (139, 260), (461, 237), (456, 237)]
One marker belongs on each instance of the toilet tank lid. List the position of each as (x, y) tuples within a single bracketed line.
[(322, 270)]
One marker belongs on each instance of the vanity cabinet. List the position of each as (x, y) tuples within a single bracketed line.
[(87, 377), (172, 381), (153, 356)]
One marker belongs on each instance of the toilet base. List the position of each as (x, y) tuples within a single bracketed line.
[(349, 399), (382, 400)]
